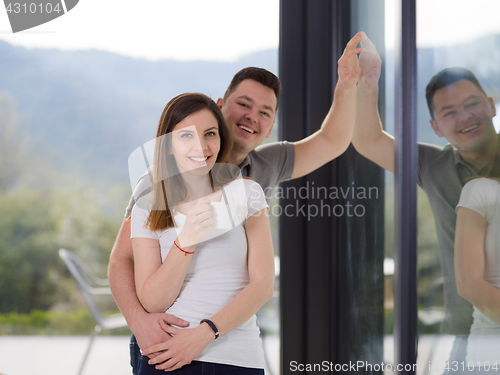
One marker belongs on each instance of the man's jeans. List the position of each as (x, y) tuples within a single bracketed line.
[(135, 355)]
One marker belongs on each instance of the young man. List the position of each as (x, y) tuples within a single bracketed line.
[(249, 107), (462, 113)]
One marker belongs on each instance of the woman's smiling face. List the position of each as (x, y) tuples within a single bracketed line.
[(196, 142)]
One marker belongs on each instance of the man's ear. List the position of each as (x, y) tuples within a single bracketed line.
[(493, 108), (270, 129), (435, 127), (220, 102)]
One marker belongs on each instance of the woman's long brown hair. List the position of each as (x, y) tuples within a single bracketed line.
[(171, 190)]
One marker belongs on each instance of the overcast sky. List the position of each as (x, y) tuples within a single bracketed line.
[(159, 29), (442, 22), (224, 29)]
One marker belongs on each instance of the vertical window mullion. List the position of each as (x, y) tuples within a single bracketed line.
[(405, 322)]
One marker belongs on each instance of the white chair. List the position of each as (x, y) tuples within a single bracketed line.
[(91, 285)]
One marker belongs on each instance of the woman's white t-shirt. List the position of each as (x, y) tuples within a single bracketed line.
[(218, 270), (482, 195)]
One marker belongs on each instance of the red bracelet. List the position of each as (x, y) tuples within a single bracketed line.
[(184, 251)]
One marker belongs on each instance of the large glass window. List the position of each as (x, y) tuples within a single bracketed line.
[(70, 116), (77, 96), (453, 39)]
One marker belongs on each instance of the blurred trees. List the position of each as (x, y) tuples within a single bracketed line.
[(34, 225), (428, 262), (12, 144), (42, 211), (26, 255)]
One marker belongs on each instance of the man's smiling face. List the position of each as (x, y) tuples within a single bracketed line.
[(250, 112), (463, 115)]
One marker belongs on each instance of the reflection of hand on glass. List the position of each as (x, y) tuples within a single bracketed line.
[(369, 137), (369, 63)]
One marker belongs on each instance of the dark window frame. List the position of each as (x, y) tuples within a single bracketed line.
[(317, 286)]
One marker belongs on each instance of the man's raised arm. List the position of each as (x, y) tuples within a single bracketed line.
[(335, 134), (369, 138), (146, 327)]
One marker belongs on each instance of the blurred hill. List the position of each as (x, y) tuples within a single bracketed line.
[(86, 111)]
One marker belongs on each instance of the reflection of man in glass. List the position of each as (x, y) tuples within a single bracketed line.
[(462, 113), (249, 107)]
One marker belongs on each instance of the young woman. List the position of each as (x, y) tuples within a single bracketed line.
[(477, 265), (202, 247)]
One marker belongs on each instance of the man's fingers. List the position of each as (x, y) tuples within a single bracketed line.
[(170, 319), (168, 328), (350, 47), (152, 355), (355, 51), (155, 355), (160, 359), (161, 347), (354, 40), (167, 365)]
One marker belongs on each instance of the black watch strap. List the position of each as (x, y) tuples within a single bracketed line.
[(212, 326)]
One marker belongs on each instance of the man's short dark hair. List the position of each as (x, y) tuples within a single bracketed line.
[(445, 78), (262, 76)]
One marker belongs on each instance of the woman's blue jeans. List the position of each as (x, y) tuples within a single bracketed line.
[(140, 366), (199, 368)]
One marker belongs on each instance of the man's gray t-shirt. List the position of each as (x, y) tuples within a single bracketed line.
[(442, 173), (269, 165)]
